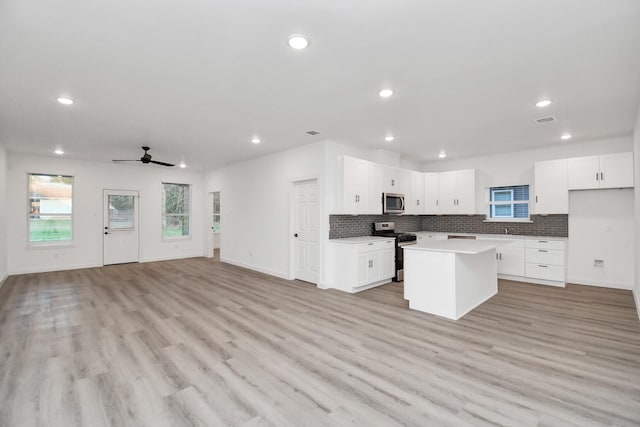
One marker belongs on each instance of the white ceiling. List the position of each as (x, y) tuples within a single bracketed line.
[(196, 80)]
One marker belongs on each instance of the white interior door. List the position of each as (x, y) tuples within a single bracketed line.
[(120, 227), (306, 230)]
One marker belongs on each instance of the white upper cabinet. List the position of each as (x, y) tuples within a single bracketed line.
[(414, 201), (457, 192), (395, 180), (359, 187), (551, 188), (607, 171), (431, 193)]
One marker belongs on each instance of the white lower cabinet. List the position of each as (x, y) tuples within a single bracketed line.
[(527, 259), (362, 265), (546, 261)]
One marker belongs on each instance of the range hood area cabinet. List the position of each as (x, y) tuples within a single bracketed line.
[(450, 193), (607, 171), (551, 187)]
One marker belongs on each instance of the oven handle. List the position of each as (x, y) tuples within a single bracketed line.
[(413, 242)]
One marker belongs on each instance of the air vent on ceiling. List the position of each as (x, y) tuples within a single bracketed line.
[(548, 119), (313, 132)]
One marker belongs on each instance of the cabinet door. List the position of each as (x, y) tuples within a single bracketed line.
[(583, 173), (616, 170), (415, 195), (511, 261), (372, 201), (466, 192), (431, 193), (387, 260), (364, 265), (375, 266), (448, 186), (355, 183), (552, 192)]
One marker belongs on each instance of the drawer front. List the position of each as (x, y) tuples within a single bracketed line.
[(366, 247), (387, 244), (545, 244), (545, 256), (545, 271)]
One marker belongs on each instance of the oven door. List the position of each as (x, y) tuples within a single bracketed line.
[(400, 259), (392, 203)]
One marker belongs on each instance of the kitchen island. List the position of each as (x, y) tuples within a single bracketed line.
[(449, 278)]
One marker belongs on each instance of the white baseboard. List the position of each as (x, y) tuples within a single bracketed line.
[(636, 297), (284, 276), (48, 269), (530, 280), (4, 279), (607, 284), (171, 257)]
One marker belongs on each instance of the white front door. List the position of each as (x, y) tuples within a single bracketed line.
[(306, 230), (120, 227)]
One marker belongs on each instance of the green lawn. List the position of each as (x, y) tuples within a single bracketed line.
[(44, 230)]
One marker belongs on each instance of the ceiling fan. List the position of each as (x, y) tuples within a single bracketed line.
[(146, 159)]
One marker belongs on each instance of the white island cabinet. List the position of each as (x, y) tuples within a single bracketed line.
[(449, 278)]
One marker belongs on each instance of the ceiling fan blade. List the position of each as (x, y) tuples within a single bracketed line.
[(138, 160), (160, 163)]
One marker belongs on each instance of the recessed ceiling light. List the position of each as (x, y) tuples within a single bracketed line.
[(566, 136), (298, 41), (59, 152), (543, 103), (182, 165), (255, 140), (385, 93), (442, 155), (66, 101), (388, 138)]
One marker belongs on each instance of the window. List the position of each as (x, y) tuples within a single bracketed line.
[(509, 202), (50, 210), (175, 210), (216, 211)]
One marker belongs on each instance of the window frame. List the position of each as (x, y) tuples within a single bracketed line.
[(490, 216), (50, 243), (164, 215)]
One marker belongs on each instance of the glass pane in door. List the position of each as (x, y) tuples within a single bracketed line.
[(121, 214)]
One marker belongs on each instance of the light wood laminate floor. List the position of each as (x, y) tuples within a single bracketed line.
[(199, 342)]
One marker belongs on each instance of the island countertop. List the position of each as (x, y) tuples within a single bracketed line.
[(459, 246)]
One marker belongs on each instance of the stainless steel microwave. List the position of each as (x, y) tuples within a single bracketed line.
[(392, 203)]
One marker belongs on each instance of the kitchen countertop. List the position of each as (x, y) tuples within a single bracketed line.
[(362, 239), (459, 246), (488, 236)]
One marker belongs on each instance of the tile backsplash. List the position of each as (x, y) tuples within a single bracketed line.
[(343, 226)]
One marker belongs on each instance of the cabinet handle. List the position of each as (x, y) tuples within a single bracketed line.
[(543, 266), (501, 256), (543, 241), (601, 176), (597, 176), (496, 255), (418, 202), (393, 182), (436, 202), (542, 250), (370, 244), (536, 199)]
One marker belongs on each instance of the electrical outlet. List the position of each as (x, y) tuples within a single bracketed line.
[(598, 263)]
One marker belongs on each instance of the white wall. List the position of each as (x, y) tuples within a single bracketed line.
[(3, 222), (517, 168), (601, 231), (636, 151), (90, 179), (256, 201)]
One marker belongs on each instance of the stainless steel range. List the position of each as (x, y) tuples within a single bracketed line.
[(388, 229)]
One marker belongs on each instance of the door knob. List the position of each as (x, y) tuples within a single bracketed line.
[(106, 232)]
